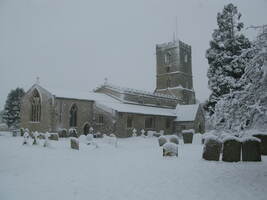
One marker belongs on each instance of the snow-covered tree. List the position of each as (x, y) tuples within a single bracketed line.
[(12, 107), (247, 108), (227, 55)]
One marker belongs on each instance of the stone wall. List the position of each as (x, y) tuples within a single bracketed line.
[(62, 113)]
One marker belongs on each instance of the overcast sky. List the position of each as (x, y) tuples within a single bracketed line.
[(74, 44)]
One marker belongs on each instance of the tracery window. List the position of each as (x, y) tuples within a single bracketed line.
[(36, 107), (73, 115)]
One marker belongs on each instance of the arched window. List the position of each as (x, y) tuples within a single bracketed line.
[(86, 129), (36, 106), (73, 115), (167, 58)]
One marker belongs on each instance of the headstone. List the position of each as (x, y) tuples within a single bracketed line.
[(74, 143), (174, 139), (170, 149), (26, 137), (251, 149), (263, 138), (143, 133), (187, 137), (162, 140), (46, 142), (212, 148), (231, 149), (134, 132), (53, 136), (62, 133), (14, 133)]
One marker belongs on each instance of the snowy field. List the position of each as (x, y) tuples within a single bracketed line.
[(135, 170)]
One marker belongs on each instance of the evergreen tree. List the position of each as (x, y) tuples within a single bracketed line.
[(247, 108), (12, 107), (226, 55)]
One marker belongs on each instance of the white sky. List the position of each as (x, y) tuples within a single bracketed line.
[(74, 44)]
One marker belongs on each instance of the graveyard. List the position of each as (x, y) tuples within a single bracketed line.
[(129, 168)]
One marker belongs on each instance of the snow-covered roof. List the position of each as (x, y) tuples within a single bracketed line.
[(186, 112), (137, 109), (135, 91)]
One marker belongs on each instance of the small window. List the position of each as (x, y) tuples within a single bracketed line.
[(149, 122), (129, 122), (100, 119), (35, 106), (167, 58)]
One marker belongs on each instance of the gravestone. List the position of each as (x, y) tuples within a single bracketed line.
[(251, 149), (174, 139), (212, 148), (263, 138), (74, 143), (162, 140), (170, 149), (187, 137), (231, 149), (53, 136)]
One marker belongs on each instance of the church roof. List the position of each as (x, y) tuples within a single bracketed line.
[(186, 112), (135, 91)]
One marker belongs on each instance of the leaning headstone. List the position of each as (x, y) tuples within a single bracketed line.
[(170, 149), (187, 136), (74, 143), (251, 149), (174, 139), (263, 138), (162, 140), (231, 149), (212, 148), (53, 136)]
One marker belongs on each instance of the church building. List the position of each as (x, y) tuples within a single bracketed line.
[(111, 109)]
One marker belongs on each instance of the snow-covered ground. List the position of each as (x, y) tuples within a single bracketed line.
[(134, 170)]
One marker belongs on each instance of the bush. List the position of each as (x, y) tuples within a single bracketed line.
[(170, 149)]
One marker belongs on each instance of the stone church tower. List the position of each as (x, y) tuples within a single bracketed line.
[(174, 71)]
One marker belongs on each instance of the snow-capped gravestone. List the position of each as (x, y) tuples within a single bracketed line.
[(263, 138), (212, 148), (26, 137), (35, 138), (170, 149), (231, 149), (162, 140), (53, 136), (188, 136), (46, 139), (134, 132), (74, 143), (174, 139), (143, 133), (73, 132), (251, 149)]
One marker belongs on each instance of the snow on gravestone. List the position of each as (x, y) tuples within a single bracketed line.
[(263, 138), (188, 136), (174, 139), (35, 138), (231, 149), (46, 142), (251, 149), (170, 149), (26, 138), (134, 132), (212, 148), (162, 140), (74, 143)]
